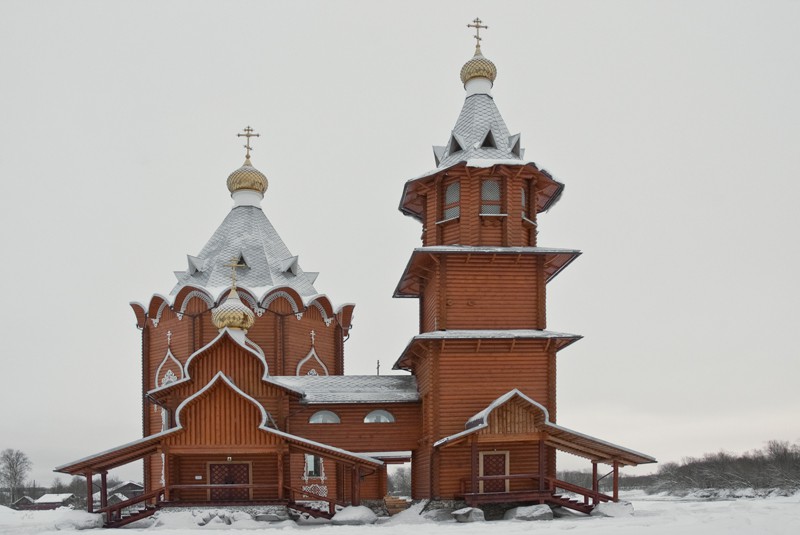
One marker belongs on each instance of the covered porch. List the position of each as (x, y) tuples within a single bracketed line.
[(511, 447)]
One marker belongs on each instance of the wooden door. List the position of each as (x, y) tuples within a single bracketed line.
[(494, 463), (229, 474)]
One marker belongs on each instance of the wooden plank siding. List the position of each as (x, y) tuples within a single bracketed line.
[(484, 291), (469, 378), (185, 469), (455, 466), (355, 435), (221, 417)]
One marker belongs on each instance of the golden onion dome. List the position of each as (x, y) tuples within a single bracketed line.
[(478, 67), (247, 177), (233, 314)]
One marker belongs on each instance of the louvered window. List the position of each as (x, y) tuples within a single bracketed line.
[(452, 201), (490, 197)]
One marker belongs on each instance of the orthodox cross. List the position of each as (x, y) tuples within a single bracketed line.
[(313, 336), (169, 338), (233, 265), (248, 133), (477, 25)]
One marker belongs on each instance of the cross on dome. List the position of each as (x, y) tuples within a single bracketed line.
[(248, 133), (233, 265), (477, 25)]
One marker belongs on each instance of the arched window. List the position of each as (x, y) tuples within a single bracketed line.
[(490, 197), (379, 416), (452, 201), (324, 417)]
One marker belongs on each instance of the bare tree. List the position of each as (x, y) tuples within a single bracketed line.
[(14, 468)]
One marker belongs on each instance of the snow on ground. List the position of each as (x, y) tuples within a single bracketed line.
[(655, 515)]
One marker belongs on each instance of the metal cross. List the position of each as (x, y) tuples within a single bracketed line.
[(248, 133), (313, 336), (477, 25), (233, 265)]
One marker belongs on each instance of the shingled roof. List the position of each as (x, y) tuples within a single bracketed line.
[(247, 235)]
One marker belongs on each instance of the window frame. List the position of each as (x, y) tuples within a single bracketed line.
[(380, 413), (323, 414), (453, 205), (487, 205)]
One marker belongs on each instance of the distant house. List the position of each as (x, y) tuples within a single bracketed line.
[(54, 501), (23, 503), (120, 493)]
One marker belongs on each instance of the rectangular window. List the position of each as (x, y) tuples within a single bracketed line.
[(490, 197), (313, 466), (451, 208)]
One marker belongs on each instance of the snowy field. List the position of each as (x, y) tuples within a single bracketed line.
[(655, 515)]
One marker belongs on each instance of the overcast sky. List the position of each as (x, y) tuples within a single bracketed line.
[(674, 125)]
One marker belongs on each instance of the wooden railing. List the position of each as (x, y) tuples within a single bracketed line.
[(239, 486), (306, 495), (539, 485), (466, 484), (577, 489), (114, 512)]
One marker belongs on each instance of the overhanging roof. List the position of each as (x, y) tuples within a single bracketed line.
[(422, 259), (560, 340), (555, 435)]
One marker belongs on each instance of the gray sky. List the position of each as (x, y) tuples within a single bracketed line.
[(674, 125)]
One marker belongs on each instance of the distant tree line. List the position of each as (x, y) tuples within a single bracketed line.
[(777, 465), (15, 466)]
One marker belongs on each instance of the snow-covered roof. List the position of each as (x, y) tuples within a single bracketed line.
[(247, 235), (492, 334), (568, 440), (353, 388), (480, 133), (492, 249), (54, 498)]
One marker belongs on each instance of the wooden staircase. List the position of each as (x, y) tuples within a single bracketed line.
[(570, 503), (395, 505), (137, 508)]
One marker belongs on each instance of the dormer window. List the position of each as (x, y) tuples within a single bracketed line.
[(490, 197), (452, 201)]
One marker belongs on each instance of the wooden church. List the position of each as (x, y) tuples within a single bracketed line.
[(244, 397)]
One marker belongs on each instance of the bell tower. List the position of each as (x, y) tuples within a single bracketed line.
[(480, 277)]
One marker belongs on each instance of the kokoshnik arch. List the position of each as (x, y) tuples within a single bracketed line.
[(244, 397)]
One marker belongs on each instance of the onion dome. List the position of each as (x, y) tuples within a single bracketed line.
[(247, 177), (233, 314), (478, 67)]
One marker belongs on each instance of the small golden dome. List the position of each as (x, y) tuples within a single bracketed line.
[(233, 314), (477, 67), (247, 177)]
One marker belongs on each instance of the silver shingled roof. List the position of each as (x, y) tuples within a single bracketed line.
[(478, 117), (246, 234), (353, 388)]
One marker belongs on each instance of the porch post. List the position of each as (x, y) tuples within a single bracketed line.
[(542, 469), (595, 486), (474, 461), (103, 490), (280, 475), (165, 467), (89, 493), (616, 481), (356, 484)]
